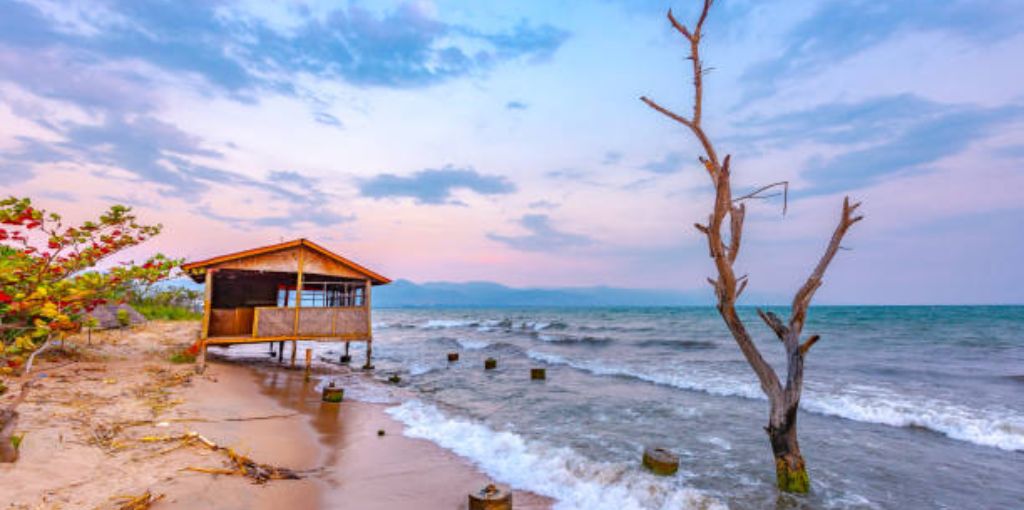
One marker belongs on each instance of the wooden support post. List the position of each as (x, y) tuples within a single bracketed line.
[(202, 357), (295, 347), (298, 294), (369, 355), (309, 362), (345, 358), (207, 311), (369, 326), (280, 351)]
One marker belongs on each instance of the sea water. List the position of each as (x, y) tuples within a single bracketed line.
[(903, 407)]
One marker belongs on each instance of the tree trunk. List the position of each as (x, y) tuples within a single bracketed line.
[(790, 471)]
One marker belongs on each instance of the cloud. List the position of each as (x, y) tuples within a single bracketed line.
[(923, 143), (516, 105), (542, 204), (877, 136), (1011, 151), (841, 122), (611, 158), (567, 173), (840, 29), (541, 237), (157, 152), (434, 186), (327, 119), (671, 163), (239, 53)]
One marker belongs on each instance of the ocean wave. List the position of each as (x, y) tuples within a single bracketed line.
[(678, 344), (449, 323), (998, 428), (393, 325), (421, 368), (570, 339), (472, 345), (559, 473)]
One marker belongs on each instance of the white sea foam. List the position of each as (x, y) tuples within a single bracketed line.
[(471, 344), (447, 324), (560, 473), (551, 359), (420, 369), (999, 428)]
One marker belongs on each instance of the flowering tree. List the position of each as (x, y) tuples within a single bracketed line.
[(48, 277)]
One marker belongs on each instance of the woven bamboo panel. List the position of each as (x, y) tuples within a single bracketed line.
[(275, 322), (350, 320), (315, 321)]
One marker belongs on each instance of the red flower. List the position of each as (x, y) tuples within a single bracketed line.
[(4, 298)]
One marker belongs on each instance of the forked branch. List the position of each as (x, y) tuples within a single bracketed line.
[(802, 299)]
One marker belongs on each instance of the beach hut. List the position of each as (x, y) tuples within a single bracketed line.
[(285, 292)]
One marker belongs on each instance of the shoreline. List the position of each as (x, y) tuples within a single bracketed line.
[(110, 424)]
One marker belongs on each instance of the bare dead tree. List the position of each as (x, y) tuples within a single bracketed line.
[(784, 401)]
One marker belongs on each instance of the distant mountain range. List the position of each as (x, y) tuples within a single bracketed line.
[(407, 294), (404, 293)]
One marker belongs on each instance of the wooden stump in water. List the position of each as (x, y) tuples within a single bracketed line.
[(660, 461), (332, 394), (538, 374), (453, 356), (395, 379), (491, 497), (490, 363), (345, 358)]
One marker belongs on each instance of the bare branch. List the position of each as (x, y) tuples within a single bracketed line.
[(679, 26), (774, 323), (701, 228), (743, 285), (802, 299), (736, 216), (666, 112), (806, 346), (757, 194)]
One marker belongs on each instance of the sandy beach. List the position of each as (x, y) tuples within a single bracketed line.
[(118, 420)]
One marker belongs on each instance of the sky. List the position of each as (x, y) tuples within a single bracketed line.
[(504, 141)]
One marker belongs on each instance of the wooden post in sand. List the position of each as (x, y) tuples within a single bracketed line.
[(295, 347), (345, 358)]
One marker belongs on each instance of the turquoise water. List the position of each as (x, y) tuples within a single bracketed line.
[(904, 407)]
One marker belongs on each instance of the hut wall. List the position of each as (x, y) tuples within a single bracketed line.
[(313, 322)]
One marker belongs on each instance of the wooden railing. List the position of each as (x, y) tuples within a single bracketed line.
[(340, 322)]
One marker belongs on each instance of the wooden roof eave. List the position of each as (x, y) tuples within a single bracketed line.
[(196, 270)]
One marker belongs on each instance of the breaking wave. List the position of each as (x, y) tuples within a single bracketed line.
[(998, 428), (574, 481)]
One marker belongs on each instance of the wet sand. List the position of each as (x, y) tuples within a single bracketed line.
[(89, 427), (364, 470)]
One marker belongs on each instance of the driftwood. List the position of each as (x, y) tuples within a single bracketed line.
[(784, 400), (9, 443), (139, 502), (240, 464)]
